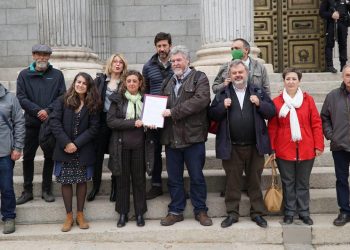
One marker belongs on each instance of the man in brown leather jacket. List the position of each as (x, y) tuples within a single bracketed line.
[(184, 135)]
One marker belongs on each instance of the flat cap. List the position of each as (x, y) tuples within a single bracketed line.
[(41, 48)]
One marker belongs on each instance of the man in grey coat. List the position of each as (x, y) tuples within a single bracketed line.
[(12, 132), (335, 123), (240, 49)]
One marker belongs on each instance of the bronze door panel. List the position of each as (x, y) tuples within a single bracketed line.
[(303, 25), (290, 33), (304, 54), (263, 26)]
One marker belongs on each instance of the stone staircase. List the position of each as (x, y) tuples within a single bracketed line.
[(38, 220)]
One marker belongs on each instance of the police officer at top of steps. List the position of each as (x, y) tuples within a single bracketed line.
[(336, 14)]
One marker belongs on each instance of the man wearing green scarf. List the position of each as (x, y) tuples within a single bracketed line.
[(240, 49)]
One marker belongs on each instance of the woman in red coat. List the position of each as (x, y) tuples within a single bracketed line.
[(296, 139)]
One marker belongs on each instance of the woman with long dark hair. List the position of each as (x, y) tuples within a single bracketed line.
[(107, 83), (75, 123)]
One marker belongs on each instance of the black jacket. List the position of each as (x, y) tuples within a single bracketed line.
[(218, 113), (154, 73), (328, 7), (116, 121), (37, 91), (62, 125)]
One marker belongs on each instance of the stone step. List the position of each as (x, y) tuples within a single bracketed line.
[(325, 160), (321, 178), (188, 234), (18, 243), (323, 201)]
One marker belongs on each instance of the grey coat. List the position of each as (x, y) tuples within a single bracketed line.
[(335, 117), (10, 107), (257, 76)]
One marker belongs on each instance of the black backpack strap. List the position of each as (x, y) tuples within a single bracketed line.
[(5, 120)]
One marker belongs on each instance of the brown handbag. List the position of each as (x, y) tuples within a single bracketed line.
[(273, 196)]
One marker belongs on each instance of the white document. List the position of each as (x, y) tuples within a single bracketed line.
[(153, 107)]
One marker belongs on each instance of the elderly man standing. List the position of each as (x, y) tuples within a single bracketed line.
[(184, 134), (335, 122), (257, 74), (242, 140), (38, 86), (11, 145)]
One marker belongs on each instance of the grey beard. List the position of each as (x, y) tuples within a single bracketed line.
[(240, 85), (41, 65)]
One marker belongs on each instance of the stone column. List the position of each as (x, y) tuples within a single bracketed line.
[(101, 42), (221, 22), (66, 26)]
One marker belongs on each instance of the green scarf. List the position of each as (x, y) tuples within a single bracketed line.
[(132, 101)]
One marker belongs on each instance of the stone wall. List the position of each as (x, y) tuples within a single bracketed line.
[(18, 32), (134, 24)]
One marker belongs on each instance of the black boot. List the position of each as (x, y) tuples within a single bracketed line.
[(123, 219), (113, 196), (93, 193)]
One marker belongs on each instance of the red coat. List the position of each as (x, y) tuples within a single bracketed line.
[(310, 126)]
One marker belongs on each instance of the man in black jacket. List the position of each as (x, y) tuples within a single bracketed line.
[(336, 14), (38, 86), (242, 140), (155, 71)]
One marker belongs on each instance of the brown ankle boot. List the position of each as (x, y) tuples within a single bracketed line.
[(68, 223), (81, 221)]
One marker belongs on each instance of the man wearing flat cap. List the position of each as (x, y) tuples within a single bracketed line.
[(38, 86)]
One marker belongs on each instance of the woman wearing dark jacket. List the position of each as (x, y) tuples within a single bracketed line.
[(127, 147), (106, 83), (296, 138), (75, 122)]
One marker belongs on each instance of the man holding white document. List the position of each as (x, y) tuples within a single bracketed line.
[(184, 134)]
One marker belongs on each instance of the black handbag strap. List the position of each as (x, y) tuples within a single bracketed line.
[(5, 119)]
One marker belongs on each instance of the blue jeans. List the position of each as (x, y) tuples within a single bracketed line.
[(341, 164), (8, 199), (194, 158)]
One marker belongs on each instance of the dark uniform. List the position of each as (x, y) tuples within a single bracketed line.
[(335, 30)]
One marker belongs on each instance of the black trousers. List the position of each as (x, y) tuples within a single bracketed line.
[(133, 166), (247, 159), (295, 177), (102, 142), (158, 166), (31, 144), (342, 43)]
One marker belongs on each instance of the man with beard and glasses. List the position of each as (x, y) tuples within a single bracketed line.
[(242, 140), (38, 86), (184, 134), (155, 71)]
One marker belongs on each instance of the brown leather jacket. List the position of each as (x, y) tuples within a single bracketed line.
[(188, 123)]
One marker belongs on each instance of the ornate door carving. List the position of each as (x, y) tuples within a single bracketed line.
[(290, 34)]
